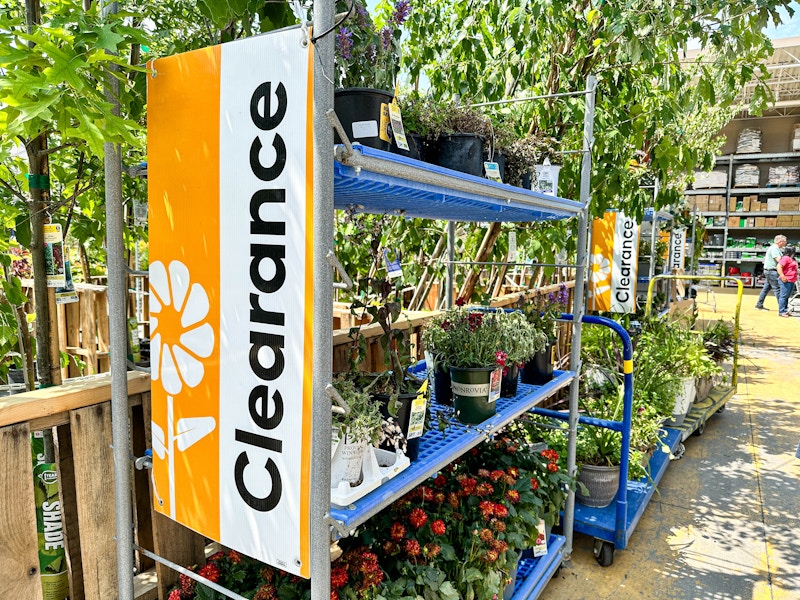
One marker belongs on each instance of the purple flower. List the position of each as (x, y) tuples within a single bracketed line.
[(362, 16), (371, 53), (386, 37), (344, 42), (401, 11), (551, 297)]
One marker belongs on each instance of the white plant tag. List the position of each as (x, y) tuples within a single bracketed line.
[(396, 120), (512, 246), (494, 385), (365, 129), (540, 549), (492, 171)]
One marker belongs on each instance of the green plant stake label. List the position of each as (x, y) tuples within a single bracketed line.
[(416, 424), (134, 349), (52, 553)]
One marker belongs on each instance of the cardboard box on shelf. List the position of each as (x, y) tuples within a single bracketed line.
[(761, 221), (756, 205), (734, 204), (747, 203), (789, 203), (716, 205), (773, 204), (750, 222), (733, 221), (784, 221), (702, 205), (771, 221)]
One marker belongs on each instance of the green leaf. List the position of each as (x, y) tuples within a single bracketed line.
[(22, 228), (107, 38)]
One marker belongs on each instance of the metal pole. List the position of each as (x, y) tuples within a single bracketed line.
[(118, 331), (579, 307), (323, 304), (451, 255)]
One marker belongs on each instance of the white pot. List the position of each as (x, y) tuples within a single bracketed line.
[(683, 402), (347, 461)]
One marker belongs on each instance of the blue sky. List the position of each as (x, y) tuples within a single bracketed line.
[(790, 26)]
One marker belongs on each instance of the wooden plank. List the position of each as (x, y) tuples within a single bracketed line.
[(46, 402), (142, 517), (73, 326), (94, 485), (89, 331), (69, 503), (177, 543), (19, 555), (101, 316), (63, 418)]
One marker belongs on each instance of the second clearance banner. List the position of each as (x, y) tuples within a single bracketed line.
[(614, 256), (231, 249)]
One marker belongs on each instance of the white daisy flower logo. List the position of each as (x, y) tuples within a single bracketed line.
[(180, 337), (600, 268)]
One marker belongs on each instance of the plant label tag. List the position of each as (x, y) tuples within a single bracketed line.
[(393, 268), (365, 129), (386, 126), (492, 171), (396, 119), (416, 424), (494, 385), (540, 548), (512, 246)]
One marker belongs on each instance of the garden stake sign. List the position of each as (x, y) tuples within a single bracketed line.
[(230, 196), (614, 256)]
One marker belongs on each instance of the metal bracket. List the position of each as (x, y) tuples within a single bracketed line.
[(340, 529), (343, 408), (144, 462), (346, 282), (133, 366), (137, 273), (333, 119)]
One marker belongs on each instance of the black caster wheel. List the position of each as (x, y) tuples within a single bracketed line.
[(721, 409), (604, 553), (701, 429)]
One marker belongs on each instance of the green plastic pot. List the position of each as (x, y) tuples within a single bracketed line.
[(475, 393)]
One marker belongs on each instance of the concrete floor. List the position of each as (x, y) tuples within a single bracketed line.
[(725, 521)]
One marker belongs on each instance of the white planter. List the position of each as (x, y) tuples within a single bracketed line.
[(374, 467), (683, 403), (547, 179)]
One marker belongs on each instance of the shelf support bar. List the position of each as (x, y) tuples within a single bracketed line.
[(451, 255), (579, 303), (323, 305)]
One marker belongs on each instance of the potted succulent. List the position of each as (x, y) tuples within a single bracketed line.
[(367, 57), (520, 342), (542, 311)]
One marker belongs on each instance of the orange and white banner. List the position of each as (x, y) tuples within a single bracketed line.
[(677, 250), (612, 274), (231, 314)]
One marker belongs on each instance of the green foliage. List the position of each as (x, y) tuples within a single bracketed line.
[(648, 100), (363, 421), (519, 338), (465, 339)]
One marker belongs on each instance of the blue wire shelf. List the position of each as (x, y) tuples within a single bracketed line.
[(437, 449), (375, 181), (533, 574), (601, 522)]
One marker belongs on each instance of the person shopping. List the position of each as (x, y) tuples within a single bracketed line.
[(787, 273), (774, 254)]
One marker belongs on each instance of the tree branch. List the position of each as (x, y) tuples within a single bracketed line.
[(16, 193), (55, 149)]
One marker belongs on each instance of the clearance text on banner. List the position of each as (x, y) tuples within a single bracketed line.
[(231, 250), (677, 250), (615, 251)]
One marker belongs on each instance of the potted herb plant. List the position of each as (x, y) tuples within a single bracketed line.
[(367, 57), (460, 134), (520, 342), (542, 311), (355, 426), (470, 344)]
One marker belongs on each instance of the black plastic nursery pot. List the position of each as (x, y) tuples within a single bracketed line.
[(419, 147), (442, 392), (508, 385), (403, 419), (364, 114), (475, 393), (460, 152), (539, 370)]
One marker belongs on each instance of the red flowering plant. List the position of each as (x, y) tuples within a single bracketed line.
[(354, 576), (457, 536), (465, 338), (543, 468)]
